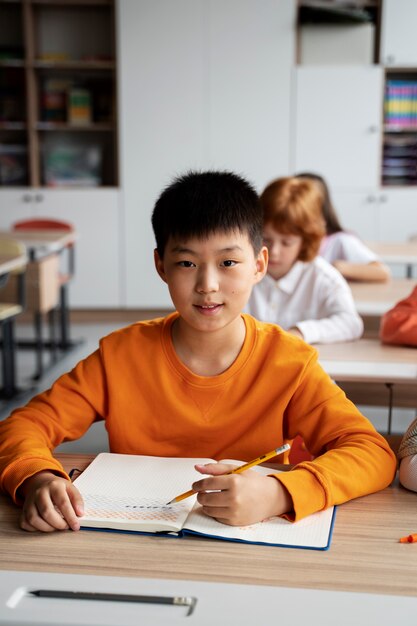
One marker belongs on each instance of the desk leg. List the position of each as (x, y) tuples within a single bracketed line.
[(390, 388), (8, 361), (37, 319), (64, 319)]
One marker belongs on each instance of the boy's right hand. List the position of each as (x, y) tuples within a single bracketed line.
[(51, 503)]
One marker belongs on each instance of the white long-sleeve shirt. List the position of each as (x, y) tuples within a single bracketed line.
[(344, 246), (314, 297)]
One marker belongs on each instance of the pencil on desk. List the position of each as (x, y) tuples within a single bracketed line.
[(238, 470)]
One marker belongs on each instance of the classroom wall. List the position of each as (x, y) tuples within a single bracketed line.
[(203, 84)]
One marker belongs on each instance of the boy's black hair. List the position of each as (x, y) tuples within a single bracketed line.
[(198, 204)]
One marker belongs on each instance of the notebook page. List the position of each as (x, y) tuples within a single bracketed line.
[(310, 532), (130, 492)]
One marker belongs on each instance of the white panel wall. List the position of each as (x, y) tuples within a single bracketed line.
[(203, 83)]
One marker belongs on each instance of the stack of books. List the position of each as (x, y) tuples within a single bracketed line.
[(400, 104), (399, 166)]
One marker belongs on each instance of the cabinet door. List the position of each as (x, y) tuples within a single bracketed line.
[(398, 33), (358, 212), (17, 205), (338, 124), (398, 214)]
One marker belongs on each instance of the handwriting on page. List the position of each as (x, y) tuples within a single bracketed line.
[(97, 506)]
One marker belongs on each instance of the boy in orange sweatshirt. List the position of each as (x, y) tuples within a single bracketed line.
[(206, 380)]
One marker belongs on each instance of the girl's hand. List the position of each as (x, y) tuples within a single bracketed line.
[(51, 503), (240, 499)]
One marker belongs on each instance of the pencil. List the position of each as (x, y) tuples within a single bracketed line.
[(238, 470)]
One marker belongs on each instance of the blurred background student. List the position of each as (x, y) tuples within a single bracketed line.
[(399, 324), (407, 454), (301, 292), (344, 250)]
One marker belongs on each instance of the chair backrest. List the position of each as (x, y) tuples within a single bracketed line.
[(42, 223)]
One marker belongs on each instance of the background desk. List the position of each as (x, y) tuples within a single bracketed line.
[(40, 243), (364, 556), (368, 362), (397, 253), (376, 298)]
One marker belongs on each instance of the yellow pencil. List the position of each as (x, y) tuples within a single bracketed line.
[(238, 470)]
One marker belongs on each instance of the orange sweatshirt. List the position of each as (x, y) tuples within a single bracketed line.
[(152, 404), (399, 325)]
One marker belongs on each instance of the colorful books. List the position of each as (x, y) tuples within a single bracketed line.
[(129, 493)]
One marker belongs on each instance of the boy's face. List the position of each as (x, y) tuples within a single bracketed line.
[(283, 250), (210, 280)]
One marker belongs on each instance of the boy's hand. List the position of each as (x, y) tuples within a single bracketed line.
[(240, 499), (51, 503)]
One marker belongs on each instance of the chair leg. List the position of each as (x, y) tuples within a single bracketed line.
[(37, 319), (8, 360)]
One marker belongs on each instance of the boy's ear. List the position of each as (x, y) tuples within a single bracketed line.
[(159, 264), (261, 264)]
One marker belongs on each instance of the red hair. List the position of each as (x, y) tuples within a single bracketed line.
[(293, 206)]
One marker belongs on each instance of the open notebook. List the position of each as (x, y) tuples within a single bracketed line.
[(129, 493)]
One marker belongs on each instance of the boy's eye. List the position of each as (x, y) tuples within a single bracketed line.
[(186, 264), (229, 263)]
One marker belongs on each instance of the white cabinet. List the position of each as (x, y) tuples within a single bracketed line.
[(358, 211), (378, 214), (95, 214), (251, 52), (338, 121), (398, 214), (398, 33), (202, 84)]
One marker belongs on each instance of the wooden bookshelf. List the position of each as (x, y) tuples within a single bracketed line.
[(58, 86)]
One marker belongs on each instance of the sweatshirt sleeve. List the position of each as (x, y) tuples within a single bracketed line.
[(63, 413), (351, 458), (399, 325)]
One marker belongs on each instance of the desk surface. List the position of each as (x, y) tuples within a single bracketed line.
[(376, 298), (404, 252), (42, 242), (368, 360), (9, 263), (365, 554)]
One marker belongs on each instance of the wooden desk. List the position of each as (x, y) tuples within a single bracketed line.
[(368, 361), (43, 247), (397, 253), (40, 243), (364, 555), (10, 263), (377, 298)]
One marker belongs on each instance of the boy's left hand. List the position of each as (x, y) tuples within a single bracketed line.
[(240, 499)]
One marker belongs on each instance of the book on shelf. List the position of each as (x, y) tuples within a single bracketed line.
[(129, 493)]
